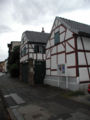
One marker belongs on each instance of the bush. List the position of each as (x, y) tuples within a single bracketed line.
[(14, 70)]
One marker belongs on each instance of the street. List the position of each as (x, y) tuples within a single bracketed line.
[(3, 113), (40, 102)]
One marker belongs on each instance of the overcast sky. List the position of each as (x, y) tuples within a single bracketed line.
[(17, 16)]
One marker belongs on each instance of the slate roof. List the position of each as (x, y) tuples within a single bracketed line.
[(75, 27), (37, 37)]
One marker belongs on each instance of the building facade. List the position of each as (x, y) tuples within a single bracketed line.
[(32, 56), (68, 55)]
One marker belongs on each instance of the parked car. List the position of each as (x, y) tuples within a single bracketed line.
[(89, 88)]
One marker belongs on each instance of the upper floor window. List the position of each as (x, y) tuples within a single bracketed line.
[(23, 52), (56, 38), (39, 49)]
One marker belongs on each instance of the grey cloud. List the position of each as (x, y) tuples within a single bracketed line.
[(4, 28), (26, 11), (4, 3)]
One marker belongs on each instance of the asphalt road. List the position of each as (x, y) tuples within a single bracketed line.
[(49, 98), (3, 112)]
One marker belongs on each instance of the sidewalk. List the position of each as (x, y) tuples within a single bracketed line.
[(26, 102), (3, 114)]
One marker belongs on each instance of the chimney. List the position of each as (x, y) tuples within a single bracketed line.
[(43, 30)]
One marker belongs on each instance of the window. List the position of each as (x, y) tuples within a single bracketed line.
[(56, 38), (39, 49), (43, 47), (36, 48), (23, 52)]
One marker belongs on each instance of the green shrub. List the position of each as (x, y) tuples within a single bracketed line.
[(14, 70)]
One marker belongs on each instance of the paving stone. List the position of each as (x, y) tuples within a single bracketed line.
[(17, 98), (10, 102)]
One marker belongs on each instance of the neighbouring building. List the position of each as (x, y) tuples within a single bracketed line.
[(68, 55), (12, 45), (2, 64), (32, 56), (5, 65)]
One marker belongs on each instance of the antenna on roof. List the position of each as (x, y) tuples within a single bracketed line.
[(43, 30)]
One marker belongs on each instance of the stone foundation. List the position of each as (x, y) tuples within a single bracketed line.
[(61, 82)]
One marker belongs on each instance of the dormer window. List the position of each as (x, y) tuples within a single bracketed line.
[(56, 38)]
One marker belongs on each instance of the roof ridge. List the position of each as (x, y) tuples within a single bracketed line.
[(74, 21), (75, 26), (36, 32)]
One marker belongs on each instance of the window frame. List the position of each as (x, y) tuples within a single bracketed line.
[(56, 38)]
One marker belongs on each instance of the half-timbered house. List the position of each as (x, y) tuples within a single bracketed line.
[(68, 55), (32, 56)]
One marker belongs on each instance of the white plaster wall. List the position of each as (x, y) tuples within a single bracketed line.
[(68, 48), (26, 51), (48, 53), (83, 74), (61, 59), (30, 46), (81, 58), (53, 62), (31, 50), (60, 48), (62, 37), (79, 44), (86, 42), (57, 29), (48, 63), (44, 55), (34, 56), (23, 59), (68, 34), (53, 72), (62, 29), (88, 57), (52, 42), (56, 22), (30, 55), (53, 50), (71, 59), (71, 71), (26, 46), (39, 56), (52, 35), (72, 42), (59, 23), (48, 44), (61, 82), (47, 72)]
